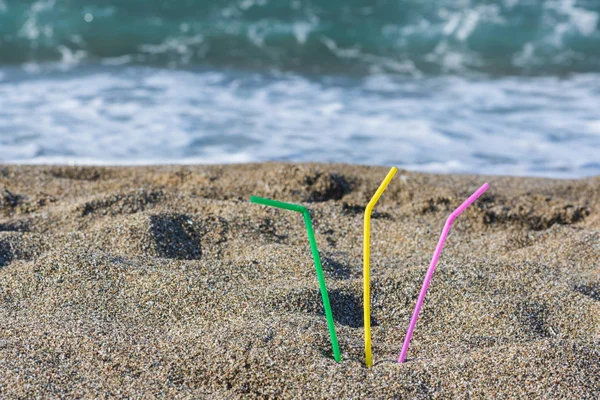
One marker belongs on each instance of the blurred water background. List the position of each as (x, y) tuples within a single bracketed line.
[(468, 86)]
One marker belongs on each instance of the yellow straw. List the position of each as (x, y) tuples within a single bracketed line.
[(366, 260)]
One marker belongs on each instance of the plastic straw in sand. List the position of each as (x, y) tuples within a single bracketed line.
[(315, 253), (366, 261), (434, 260)]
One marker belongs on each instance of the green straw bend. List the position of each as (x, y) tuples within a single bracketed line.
[(317, 260)]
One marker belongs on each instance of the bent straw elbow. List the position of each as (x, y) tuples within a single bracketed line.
[(449, 221), (367, 217), (369, 209)]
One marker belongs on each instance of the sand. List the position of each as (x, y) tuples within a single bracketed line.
[(166, 282)]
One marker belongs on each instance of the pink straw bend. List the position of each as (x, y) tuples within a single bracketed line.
[(431, 270)]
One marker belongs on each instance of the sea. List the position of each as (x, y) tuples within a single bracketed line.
[(503, 87)]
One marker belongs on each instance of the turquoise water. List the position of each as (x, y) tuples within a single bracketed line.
[(502, 87), (319, 36)]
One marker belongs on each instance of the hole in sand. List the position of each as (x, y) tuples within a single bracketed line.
[(176, 236), (6, 253), (324, 187)]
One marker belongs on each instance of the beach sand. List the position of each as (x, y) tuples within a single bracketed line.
[(166, 282)]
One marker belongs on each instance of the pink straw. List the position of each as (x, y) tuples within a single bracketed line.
[(434, 260)]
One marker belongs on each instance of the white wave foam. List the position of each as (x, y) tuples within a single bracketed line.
[(110, 115)]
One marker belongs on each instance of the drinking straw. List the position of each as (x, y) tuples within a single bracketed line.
[(434, 260), (315, 253), (366, 261)]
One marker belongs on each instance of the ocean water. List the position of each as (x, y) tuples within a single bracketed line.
[(469, 86)]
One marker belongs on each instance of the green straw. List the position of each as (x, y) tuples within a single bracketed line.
[(316, 258)]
